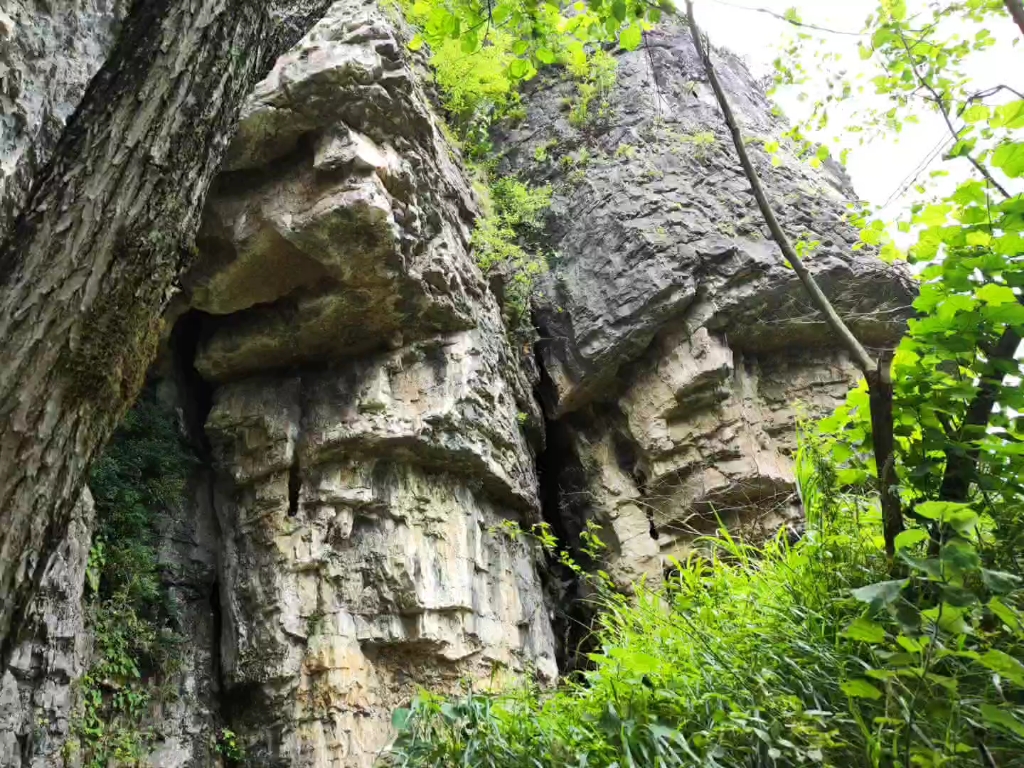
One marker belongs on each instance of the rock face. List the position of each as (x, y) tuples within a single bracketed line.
[(365, 420), (52, 651), (677, 346), (367, 428), (49, 50)]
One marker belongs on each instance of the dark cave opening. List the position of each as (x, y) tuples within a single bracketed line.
[(565, 507)]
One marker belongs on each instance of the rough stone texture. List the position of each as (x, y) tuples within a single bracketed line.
[(367, 412), (49, 50), (36, 694), (669, 304), (341, 223), (186, 715), (366, 417)]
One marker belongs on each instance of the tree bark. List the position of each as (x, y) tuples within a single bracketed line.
[(877, 374), (1016, 9), (962, 460), (90, 263)]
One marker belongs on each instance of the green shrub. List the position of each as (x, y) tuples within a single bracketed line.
[(140, 475), (810, 654), (595, 78), (507, 236)]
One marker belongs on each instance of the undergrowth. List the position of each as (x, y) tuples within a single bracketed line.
[(141, 473), (782, 655)]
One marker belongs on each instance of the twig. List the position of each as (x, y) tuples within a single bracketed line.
[(944, 111)]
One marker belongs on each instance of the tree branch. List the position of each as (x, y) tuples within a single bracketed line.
[(877, 373), (944, 111)]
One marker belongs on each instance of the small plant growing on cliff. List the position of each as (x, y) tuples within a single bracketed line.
[(595, 79), (506, 238), (229, 747)]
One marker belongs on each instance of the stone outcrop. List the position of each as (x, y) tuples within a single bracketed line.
[(52, 651), (365, 427), (367, 413), (49, 50), (676, 345)]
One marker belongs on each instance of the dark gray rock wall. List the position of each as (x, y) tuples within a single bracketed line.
[(668, 303), (51, 652), (49, 50)]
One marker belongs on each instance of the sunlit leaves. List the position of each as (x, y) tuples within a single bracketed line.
[(1009, 158), (1004, 665)]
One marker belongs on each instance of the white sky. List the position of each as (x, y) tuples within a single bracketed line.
[(878, 170)]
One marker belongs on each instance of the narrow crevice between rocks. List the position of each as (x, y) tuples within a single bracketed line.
[(194, 396), (565, 507)]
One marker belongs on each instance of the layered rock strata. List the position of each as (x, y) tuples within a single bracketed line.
[(676, 344), (343, 369), (366, 415)]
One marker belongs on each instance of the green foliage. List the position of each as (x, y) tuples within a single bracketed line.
[(507, 237), (228, 747), (956, 395), (595, 78), (140, 474), (538, 32), (784, 656)]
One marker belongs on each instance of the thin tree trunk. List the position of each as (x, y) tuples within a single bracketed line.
[(962, 463), (91, 262), (877, 374), (1016, 9)]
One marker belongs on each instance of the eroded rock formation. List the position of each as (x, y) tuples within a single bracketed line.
[(366, 408), (677, 347), (364, 424)]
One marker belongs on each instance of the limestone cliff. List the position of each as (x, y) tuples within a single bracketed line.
[(364, 425), (678, 350)]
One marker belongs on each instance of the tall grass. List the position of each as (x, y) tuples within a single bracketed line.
[(781, 655)]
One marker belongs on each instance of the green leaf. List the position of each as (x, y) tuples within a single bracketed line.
[(1004, 665), (861, 689), (1009, 157), (416, 43), (976, 114), (619, 10), (999, 582), (545, 56), (949, 618), (1002, 718), (1009, 115), (519, 68), (631, 37), (469, 42), (865, 630), (1005, 614), (400, 718), (501, 13), (880, 594), (911, 537), (939, 510), (993, 293)]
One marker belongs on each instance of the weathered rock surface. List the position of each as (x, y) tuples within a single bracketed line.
[(669, 302), (367, 412), (341, 361), (48, 53), (51, 652)]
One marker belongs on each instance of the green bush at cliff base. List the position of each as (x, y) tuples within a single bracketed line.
[(802, 655), (139, 476)]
